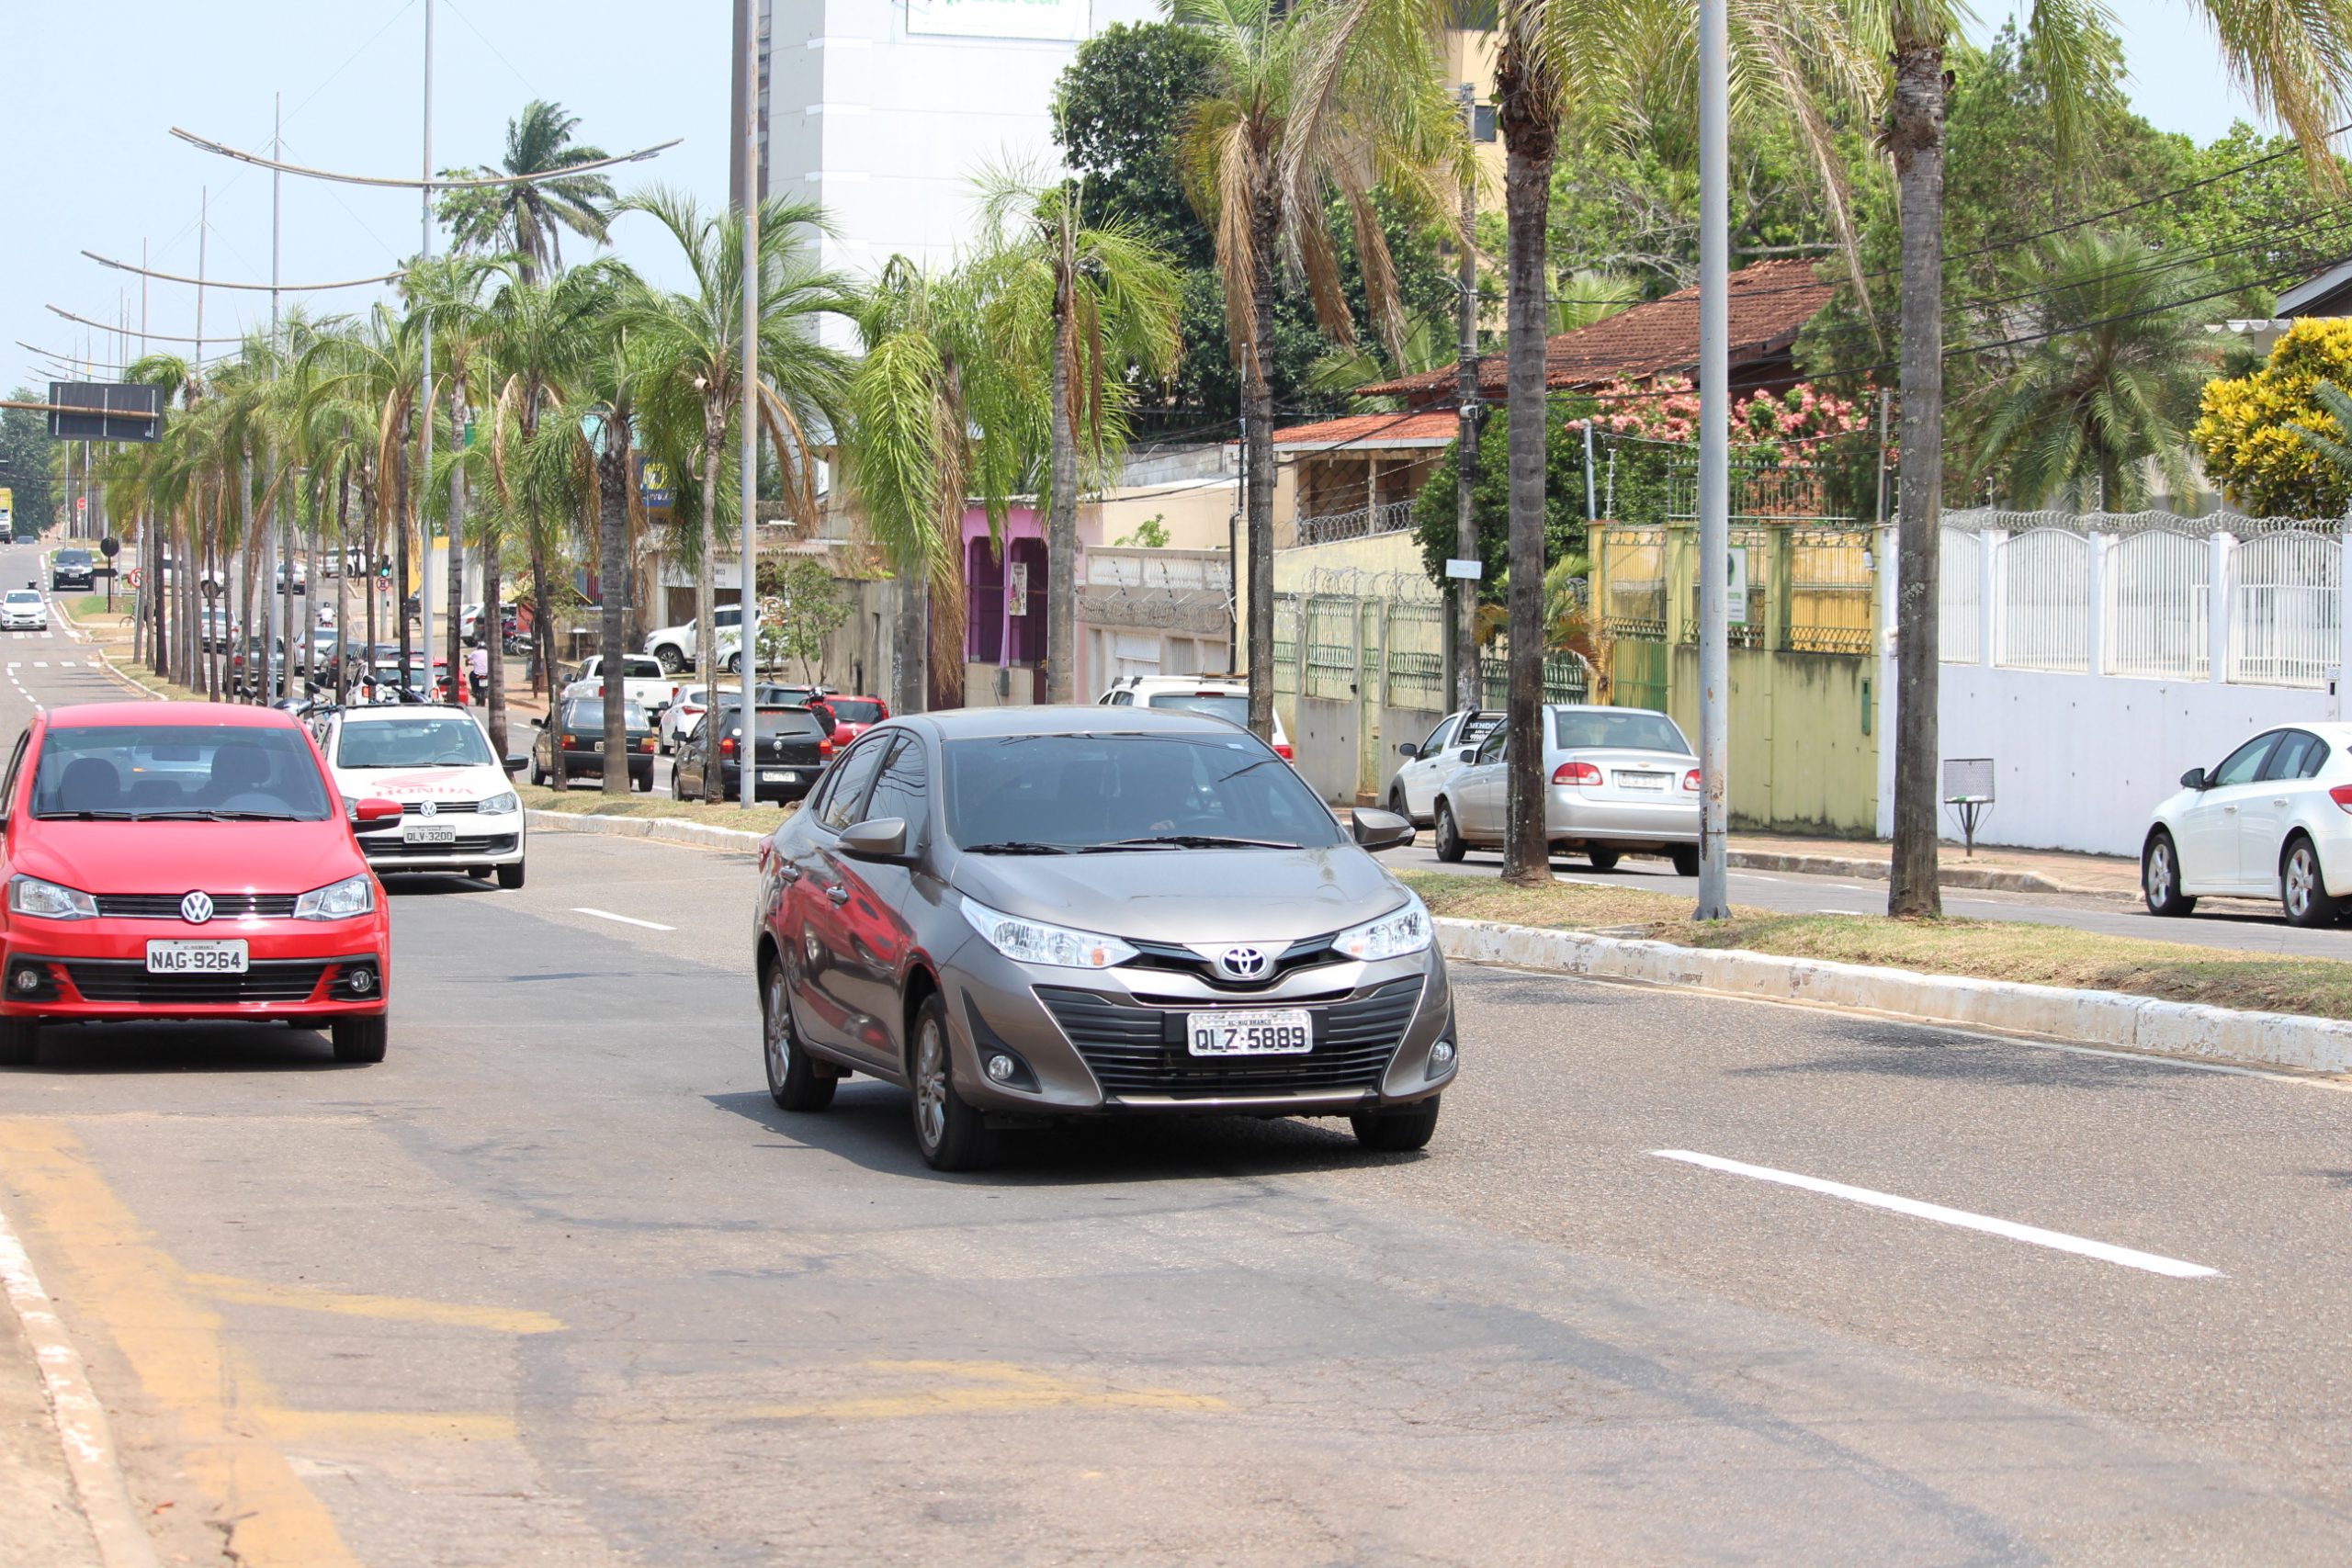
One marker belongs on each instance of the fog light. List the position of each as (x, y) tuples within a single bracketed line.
[(29, 979), (363, 981), (1001, 1068), (1441, 1057)]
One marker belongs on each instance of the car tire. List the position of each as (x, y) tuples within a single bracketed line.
[(793, 1080), (949, 1134), (538, 775), (1398, 1131), (510, 877), (479, 873), (2160, 877), (1686, 862), (1602, 860), (2302, 888), (670, 659), (361, 1039), (19, 1041), (1450, 847), (1396, 803)]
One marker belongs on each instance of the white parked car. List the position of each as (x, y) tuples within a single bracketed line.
[(24, 610), (1621, 780), (1222, 696), (677, 647), (1413, 791), (2274, 820), (458, 809)]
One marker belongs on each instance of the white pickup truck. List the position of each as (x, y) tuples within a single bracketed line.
[(678, 647), (642, 682)]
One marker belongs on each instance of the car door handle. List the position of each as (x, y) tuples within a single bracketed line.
[(788, 871), (2280, 801), (2231, 809), (837, 893)]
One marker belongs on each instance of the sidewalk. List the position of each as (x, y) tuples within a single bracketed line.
[(1994, 867)]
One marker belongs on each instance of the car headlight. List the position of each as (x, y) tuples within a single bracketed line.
[(338, 901), (499, 804), (1034, 942), (1393, 935), (31, 895)]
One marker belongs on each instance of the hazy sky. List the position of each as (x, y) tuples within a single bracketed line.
[(95, 89)]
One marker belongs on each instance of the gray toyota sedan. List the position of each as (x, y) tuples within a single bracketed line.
[(1026, 915)]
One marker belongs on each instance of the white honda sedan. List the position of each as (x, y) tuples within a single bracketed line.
[(2274, 818)]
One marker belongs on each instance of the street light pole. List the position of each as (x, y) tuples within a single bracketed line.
[(1714, 454), (424, 397), (748, 650)]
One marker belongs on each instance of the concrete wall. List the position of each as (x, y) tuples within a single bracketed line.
[(1375, 554), (2081, 759), (1803, 738)]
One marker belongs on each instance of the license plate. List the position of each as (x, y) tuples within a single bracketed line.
[(600, 745), (429, 832), (1278, 1031), (1643, 781), (769, 775), (195, 958)]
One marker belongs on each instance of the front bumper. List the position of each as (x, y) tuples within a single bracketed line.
[(1113, 1041), (481, 841), (97, 970), (24, 623)]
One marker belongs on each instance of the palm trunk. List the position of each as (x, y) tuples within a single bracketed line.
[(1531, 129), (611, 607), (343, 582), (1915, 136), (714, 427), (911, 643), (543, 651), (369, 479), (493, 592), (246, 540), (458, 543), (1061, 525), (400, 559), (1258, 409)]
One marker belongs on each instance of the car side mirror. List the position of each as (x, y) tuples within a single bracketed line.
[(374, 815), (881, 837), (1409, 749), (2193, 779), (1465, 754), (539, 723), (1376, 830), (517, 764)]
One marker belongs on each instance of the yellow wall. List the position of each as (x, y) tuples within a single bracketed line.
[(1801, 760), (1399, 552)]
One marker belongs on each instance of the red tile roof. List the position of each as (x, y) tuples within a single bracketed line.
[(1770, 302), (1371, 432)]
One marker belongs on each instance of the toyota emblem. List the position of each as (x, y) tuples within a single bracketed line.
[(196, 909), (428, 809), (1241, 964)]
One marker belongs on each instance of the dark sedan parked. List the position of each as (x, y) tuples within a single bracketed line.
[(793, 752), (1025, 915), (580, 723)]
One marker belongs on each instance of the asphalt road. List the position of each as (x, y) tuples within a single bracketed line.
[(556, 1284)]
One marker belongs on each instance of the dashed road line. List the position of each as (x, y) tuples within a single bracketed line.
[(625, 919)]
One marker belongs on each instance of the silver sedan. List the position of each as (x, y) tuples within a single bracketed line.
[(1618, 781)]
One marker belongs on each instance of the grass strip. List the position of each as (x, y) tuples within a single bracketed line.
[(584, 800), (2020, 951)]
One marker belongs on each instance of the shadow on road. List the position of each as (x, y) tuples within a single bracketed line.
[(1894, 1050), (431, 884), (85, 1048)]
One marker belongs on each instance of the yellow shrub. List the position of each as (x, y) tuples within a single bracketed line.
[(2246, 435)]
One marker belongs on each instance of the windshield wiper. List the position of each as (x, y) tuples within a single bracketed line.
[(87, 816), (1018, 847), (212, 814), (1191, 841)]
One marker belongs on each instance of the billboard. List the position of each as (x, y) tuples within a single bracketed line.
[(8, 510), (119, 410), (1064, 21)]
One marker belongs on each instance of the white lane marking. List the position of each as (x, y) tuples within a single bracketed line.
[(41, 663), (2059, 1240), (625, 919)]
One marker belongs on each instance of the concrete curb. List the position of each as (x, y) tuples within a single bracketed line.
[(2092, 1017), (91, 1457), (668, 829), (1989, 878)]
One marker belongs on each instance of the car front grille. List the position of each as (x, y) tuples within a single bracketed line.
[(440, 807), (120, 980), (225, 906), (1308, 954), (389, 848), (1137, 1047)]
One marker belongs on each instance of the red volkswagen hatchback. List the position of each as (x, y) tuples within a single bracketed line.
[(187, 861)]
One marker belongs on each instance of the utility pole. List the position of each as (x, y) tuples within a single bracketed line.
[(281, 602), (424, 397), (748, 657), (1465, 520), (1714, 451)]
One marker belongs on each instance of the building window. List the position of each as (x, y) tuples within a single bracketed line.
[(983, 603)]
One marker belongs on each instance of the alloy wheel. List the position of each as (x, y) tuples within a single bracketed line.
[(2300, 876), (775, 1025), (931, 1085), (2159, 873)]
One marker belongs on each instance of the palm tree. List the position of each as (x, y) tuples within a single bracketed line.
[(2094, 404), (1311, 100), (687, 350), (528, 221), (375, 370), (1103, 300)]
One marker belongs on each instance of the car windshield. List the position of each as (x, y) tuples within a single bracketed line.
[(1234, 708), (1088, 790), (855, 710), (1575, 729), (422, 740), (23, 596), (195, 772)]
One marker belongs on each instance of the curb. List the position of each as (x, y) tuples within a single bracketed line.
[(1989, 878), (91, 1457), (2093, 1018), (668, 829)]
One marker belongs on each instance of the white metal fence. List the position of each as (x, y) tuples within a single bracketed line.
[(2253, 600)]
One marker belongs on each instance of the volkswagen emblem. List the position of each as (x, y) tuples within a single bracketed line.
[(1242, 963), (196, 909), (428, 809)]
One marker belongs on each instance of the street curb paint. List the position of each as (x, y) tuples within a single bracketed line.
[(668, 829), (91, 1457), (1983, 877), (2109, 1018)]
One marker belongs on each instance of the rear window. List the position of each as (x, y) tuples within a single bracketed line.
[(854, 710), (641, 669), (588, 713), (1233, 708), (139, 771), (777, 721), (1629, 730)]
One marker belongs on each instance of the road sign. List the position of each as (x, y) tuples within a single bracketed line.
[(119, 410), (1469, 571), (654, 484), (1736, 589), (8, 509)]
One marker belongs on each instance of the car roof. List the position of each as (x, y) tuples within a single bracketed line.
[(964, 724), (240, 715), (387, 712)]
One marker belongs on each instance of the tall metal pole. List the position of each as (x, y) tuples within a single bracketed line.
[(281, 608), (1465, 520), (423, 401), (1714, 453), (203, 231), (749, 657)]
